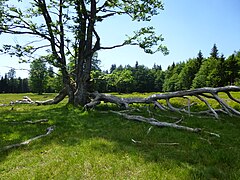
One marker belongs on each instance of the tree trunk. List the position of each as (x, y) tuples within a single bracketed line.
[(81, 94)]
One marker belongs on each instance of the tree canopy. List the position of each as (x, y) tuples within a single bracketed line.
[(67, 29), (38, 76)]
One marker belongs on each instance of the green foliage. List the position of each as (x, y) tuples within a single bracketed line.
[(121, 80), (188, 73), (232, 68), (60, 26), (147, 39), (203, 77), (159, 77), (171, 82), (98, 79), (94, 145), (195, 73), (38, 76)]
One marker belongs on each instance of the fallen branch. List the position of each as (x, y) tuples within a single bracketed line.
[(205, 140), (3, 105), (49, 131), (155, 122), (203, 94), (178, 121), (25, 100), (37, 121), (168, 144), (28, 121), (212, 134)]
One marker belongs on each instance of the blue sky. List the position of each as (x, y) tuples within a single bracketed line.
[(186, 25)]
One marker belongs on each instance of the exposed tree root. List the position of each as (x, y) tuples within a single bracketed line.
[(49, 131), (203, 94)]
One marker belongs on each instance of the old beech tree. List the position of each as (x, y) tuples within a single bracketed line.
[(68, 29)]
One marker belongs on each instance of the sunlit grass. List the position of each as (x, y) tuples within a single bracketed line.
[(94, 145)]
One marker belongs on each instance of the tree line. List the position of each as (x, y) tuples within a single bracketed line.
[(41, 80), (213, 71), (10, 84)]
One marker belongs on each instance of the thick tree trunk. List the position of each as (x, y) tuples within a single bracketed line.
[(81, 94)]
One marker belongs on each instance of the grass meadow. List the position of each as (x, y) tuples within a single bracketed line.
[(96, 145)]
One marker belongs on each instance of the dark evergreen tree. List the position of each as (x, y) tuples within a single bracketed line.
[(25, 85), (199, 59), (214, 52), (232, 68), (113, 67), (136, 65), (157, 67), (143, 81), (50, 72), (1, 84), (159, 77)]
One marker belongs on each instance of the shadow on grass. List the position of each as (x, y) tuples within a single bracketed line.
[(206, 157)]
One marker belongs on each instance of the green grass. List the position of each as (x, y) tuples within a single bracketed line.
[(94, 145)]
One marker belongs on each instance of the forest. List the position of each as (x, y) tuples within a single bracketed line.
[(213, 71)]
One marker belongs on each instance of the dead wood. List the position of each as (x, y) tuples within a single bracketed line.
[(49, 131), (3, 105), (203, 94), (28, 121), (168, 144), (62, 94), (25, 100), (155, 122)]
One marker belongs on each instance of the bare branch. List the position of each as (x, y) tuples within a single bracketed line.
[(231, 97), (117, 46), (124, 102), (49, 131), (155, 122), (209, 106)]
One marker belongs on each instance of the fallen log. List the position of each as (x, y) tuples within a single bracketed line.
[(203, 94)]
